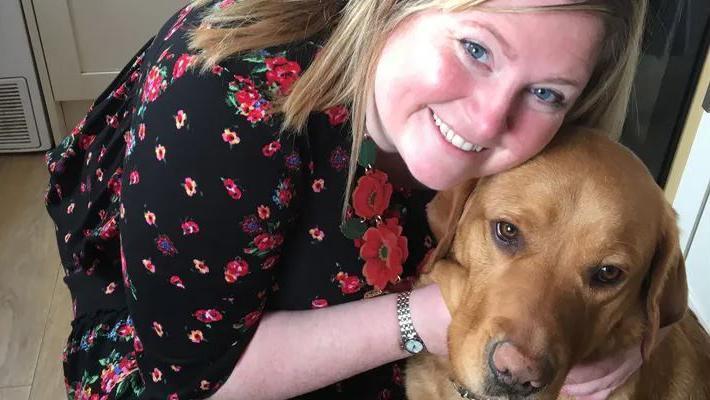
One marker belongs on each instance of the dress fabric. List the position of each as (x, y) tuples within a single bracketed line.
[(182, 214)]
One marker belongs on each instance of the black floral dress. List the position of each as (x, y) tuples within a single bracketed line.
[(182, 215)]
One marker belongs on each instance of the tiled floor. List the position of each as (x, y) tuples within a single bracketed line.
[(35, 309)]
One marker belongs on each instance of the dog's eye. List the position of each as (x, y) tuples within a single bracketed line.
[(607, 275), (506, 232)]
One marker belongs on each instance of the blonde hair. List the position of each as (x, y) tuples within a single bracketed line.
[(356, 30)]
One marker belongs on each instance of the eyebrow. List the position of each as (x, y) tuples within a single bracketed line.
[(564, 81), (507, 49)]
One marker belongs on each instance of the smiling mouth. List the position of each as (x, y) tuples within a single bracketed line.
[(450, 136)]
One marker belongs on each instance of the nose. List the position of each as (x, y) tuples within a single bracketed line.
[(516, 373), (490, 116)]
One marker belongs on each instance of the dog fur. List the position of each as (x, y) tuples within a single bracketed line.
[(584, 202)]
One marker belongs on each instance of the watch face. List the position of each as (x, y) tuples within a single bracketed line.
[(414, 346)]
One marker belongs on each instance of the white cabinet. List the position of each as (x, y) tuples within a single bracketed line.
[(87, 42)]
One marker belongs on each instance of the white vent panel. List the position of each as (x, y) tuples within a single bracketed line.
[(18, 130)]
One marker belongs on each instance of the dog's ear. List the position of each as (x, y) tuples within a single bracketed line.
[(666, 285), (443, 214)]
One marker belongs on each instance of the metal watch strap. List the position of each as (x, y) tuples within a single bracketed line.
[(406, 327)]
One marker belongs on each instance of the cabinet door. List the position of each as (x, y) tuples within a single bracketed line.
[(87, 42)]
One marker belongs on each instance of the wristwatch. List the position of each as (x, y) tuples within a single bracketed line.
[(410, 340)]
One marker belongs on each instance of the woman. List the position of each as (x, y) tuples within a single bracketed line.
[(220, 238)]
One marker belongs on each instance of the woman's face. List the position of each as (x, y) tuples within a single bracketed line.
[(469, 94)]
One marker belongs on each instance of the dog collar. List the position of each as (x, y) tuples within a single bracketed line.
[(462, 391)]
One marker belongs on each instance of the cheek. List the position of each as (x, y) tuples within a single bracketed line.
[(410, 78), (533, 131)]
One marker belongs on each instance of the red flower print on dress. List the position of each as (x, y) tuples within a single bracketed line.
[(158, 328), (284, 193), (137, 344), (319, 303), (141, 132), (189, 227), (318, 185), (384, 252), (160, 152), (196, 336), (200, 266), (372, 195), (165, 245), (317, 234), (157, 375), (263, 211), (208, 316), (112, 121), (204, 385), (247, 100), (266, 241), (348, 284), (281, 73), (217, 69), (70, 208), (154, 84), (175, 368), (181, 65), (173, 396), (149, 217), (271, 148), (134, 178), (100, 175), (85, 141), (230, 137), (252, 318), (109, 229), (190, 186), (114, 184), (126, 330), (176, 281), (337, 115), (178, 22), (232, 189), (235, 269), (180, 119), (120, 92), (269, 262)]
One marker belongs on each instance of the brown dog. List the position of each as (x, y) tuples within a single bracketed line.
[(568, 258)]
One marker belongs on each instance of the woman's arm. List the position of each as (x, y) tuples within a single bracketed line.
[(295, 352)]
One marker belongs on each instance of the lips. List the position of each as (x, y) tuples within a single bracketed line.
[(457, 141)]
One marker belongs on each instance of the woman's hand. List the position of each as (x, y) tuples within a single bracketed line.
[(596, 381)]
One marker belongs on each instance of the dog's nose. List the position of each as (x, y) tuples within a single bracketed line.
[(515, 373)]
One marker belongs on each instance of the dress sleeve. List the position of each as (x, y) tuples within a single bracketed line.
[(208, 193)]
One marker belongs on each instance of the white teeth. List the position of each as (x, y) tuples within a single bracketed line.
[(453, 138)]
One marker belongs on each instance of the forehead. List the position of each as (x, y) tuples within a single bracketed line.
[(595, 200), (558, 42)]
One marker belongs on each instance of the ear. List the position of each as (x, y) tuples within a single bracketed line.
[(443, 214), (667, 287)]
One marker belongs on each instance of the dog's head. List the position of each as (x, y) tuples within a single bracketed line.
[(571, 256)]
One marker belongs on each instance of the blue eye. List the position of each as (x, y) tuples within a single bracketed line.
[(548, 96), (478, 52)]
